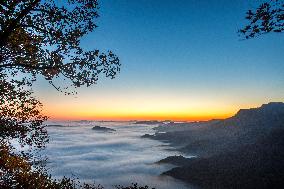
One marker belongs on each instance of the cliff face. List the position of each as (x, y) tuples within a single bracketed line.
[(212, 137), (272, 113), (244, 151), (258, 165)]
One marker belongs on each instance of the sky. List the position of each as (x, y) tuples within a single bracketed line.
[(181, 60)]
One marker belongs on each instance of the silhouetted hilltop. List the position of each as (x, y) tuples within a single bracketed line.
[(273, 111), (104, 129), (176, 160), (152, 122), (259, 165), (208, 137), (56, 125), (244, 151)]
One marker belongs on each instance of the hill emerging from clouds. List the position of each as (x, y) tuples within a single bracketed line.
[(244, 151)]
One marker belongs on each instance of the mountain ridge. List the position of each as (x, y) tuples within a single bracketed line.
[(243, 151)]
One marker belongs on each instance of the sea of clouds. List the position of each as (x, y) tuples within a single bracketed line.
[(108, 158)]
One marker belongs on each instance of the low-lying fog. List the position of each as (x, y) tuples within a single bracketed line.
[(109, 158)]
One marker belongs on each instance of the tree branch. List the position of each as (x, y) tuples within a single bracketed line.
[(34, 27), (28, 66), (6, 32)]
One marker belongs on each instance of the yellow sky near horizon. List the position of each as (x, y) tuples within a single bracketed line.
[(136, 108), (115, 103), (182, 63)]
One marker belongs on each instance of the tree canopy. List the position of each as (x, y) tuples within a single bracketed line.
[(41, 37), (267, 18)]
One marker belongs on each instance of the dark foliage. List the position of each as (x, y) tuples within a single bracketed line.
[(268, 17), (20, 114), (41, 37)]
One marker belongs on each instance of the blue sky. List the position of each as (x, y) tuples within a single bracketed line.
[(186, 54)]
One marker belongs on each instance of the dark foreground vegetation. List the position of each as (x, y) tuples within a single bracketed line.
[(42, 38)]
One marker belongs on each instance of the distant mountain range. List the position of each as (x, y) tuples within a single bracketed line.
[(244, 151)]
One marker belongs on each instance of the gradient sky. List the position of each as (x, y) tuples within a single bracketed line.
[(181, 60)]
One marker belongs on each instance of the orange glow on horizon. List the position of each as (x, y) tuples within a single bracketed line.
[(142, 116), (135, 107), (125, 118)]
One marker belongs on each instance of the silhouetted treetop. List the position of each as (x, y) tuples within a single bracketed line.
[(268, 17), (20, 114), (43, 37)]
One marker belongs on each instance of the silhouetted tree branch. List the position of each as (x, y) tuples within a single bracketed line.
[(268, 17), (39, 37)]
